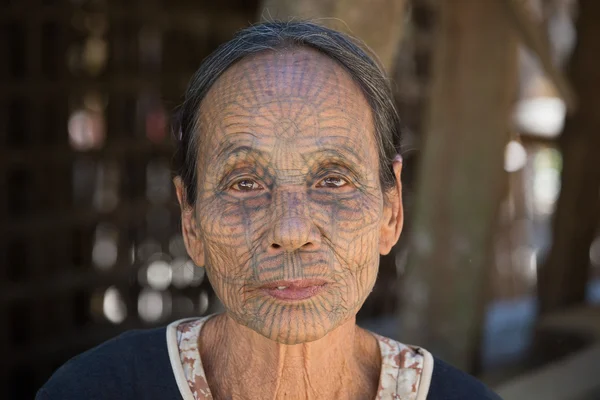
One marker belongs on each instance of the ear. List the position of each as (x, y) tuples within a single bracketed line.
[(393, 212), (189, 227)]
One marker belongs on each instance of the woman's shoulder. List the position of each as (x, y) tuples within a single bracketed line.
[(450, 383), (414, 369), (117, 369)]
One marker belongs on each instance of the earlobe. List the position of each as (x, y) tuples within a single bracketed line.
[(189, 227), (393, 220)]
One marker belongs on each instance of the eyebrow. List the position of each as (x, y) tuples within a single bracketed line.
[(342, 152), (229, 151)]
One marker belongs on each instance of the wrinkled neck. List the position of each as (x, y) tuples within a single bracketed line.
[(345, 363)]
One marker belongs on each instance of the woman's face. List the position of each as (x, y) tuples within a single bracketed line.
[(290, 218)]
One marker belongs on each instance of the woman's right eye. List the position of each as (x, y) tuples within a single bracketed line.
[(246, 185)]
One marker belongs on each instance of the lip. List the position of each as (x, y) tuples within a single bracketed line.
[(294, 289), (296, 283)]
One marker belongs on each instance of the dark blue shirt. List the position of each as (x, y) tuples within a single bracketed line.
[(136, 365)]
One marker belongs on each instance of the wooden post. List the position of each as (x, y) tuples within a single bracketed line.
[(564, 275), (461, 180)]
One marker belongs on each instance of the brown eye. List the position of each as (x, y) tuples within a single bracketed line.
[(333, 182), (246, 185)]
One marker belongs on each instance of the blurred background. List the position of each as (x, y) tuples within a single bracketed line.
[(497, 270)]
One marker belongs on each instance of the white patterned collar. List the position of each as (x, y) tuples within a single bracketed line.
[(405, 370)]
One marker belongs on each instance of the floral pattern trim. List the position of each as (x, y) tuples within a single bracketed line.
[(188, 333), (401, 370), (402, 366)]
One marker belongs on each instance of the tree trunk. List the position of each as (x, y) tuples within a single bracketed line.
[(564, 274), (461, 180)]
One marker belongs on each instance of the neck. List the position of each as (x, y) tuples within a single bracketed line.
[(240, 363)]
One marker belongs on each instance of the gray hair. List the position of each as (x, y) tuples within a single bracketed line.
[(276, 35)]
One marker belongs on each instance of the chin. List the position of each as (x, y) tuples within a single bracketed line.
[(294, 324), (308, 336)]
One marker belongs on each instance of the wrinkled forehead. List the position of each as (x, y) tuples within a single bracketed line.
[(287, 93)]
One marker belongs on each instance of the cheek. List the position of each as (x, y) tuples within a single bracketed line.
[(231, 229), (353, 225)]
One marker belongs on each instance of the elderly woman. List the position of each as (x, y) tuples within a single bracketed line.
[(290, 191)]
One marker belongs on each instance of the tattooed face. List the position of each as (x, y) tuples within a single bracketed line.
[(290, 211)]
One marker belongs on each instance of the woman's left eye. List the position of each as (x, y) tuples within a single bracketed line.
[(333, 182)]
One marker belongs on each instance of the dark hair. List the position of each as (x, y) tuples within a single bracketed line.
[(276, 35)]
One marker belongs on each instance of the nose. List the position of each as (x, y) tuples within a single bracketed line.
[(292, 228), (290, 234)]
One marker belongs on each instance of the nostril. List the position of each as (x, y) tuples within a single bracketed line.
[(276, 246)]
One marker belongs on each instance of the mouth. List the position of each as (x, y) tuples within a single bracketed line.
[(294, 290)]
